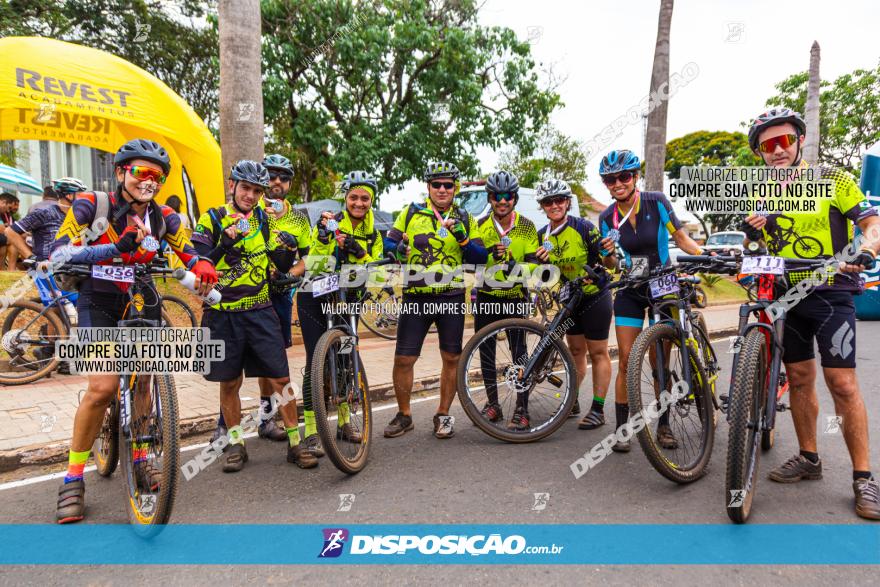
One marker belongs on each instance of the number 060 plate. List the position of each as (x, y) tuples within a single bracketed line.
[(668, 284)]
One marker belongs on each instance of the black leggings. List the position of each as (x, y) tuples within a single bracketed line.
[(313, 324), (491, 309)]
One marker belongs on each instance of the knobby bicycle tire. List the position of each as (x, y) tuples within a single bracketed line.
[(321, 386), (473, 411), (747, 396), (106, 446), (193, 323), (170, 436), (52, 319), (665, 332)]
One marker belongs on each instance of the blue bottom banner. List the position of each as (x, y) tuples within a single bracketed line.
[(645, 544)]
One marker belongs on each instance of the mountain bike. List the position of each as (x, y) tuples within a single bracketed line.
[(340, 392), (757, 368), (30, 328), (140, 427), (674, 354), (533, 369)]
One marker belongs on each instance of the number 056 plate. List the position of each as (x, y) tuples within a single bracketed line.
[(113, 273)]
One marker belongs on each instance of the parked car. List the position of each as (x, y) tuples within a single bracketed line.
[(725, 241)]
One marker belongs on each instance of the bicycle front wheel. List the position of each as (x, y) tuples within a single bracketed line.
[(690, 419), (747, 398), (177, 312), (379, 312), (149, 446), (341, 401), (27, 346), (491, 371)]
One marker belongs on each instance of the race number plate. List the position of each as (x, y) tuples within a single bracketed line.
[(113, 273), (346, 345), (668, 284), (325, 285), (639, 269), (763, 264)]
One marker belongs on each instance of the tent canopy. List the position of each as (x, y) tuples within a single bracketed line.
[(18, 181), (56, 91)]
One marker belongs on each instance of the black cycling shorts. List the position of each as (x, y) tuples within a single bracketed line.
[(254, 344), (420, 312), (283, 304), (630, 305), (104, 310), (829, 317), (592, 316)]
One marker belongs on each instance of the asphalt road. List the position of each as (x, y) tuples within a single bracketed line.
[(475, 479)]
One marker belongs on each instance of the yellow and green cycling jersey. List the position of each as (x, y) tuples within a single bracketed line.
[(823, 233), (433, 248), (245, 267), (573, 244), (523, 243), (327, 257)]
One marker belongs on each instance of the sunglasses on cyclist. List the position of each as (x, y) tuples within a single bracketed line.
[(442, 184), (623, 176), (553, 201), (784, 141), (283, 176), (143, 173), (502, 197)]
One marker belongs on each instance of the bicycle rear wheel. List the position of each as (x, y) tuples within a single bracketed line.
[(338, 400), (690, 418), (747, 399), (149, 440), (106, 446), (27, 346), (490, 370), (379, 312)]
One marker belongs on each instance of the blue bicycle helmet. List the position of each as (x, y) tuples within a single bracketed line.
[(617, 161)]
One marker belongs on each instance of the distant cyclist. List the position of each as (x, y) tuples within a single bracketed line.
[(244, 243), (141, 167), (509, 237), (349, 237), (434, 237), (570, 242), (43, 222), (641, 224), (827, 314)]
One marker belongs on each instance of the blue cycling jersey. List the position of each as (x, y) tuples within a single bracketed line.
[(655, 222)]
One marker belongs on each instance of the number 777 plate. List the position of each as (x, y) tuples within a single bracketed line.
[(763, 264)]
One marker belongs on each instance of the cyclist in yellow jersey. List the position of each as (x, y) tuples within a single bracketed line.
[(826, 314), (434, 238), (239, 239), (348, 237)]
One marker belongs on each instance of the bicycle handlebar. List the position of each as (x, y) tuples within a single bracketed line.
[(139, 269)]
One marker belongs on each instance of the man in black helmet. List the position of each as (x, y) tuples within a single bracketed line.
[(826, 314), (244, 242)]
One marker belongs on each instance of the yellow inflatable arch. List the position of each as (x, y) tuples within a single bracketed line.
[(56, 91)]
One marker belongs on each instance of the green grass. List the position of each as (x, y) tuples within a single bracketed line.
[(726, 291)]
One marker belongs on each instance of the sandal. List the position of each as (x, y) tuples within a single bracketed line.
[(236, 457), (592, 420), (71, 502)]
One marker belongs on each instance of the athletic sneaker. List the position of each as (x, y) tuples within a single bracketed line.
[(621, 446), (347, 433), (795, 469), (399, 426), (867, 498), (300, 456), (271, 431), (313, 444), (236, 457), (520, 421), (443, 426), (665, 438), (492, 412)]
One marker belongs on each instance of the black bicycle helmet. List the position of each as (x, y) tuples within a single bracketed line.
[(775, 117), (502, 182), (251, 172), (279, 162), (441, 170), (143, 149), (359, 178)]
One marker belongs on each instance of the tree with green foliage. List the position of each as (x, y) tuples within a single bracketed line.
[(387, 85), (718, 148), (849, 114), (168, 38)]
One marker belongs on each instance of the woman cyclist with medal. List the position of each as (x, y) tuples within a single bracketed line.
[(640, 222), (569, 243)]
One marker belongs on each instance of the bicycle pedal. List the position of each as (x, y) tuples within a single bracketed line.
[(555, 380)]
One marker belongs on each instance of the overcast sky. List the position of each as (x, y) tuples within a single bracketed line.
[(606, 49)]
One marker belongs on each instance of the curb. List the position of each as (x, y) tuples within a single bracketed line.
[(47, 454)]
